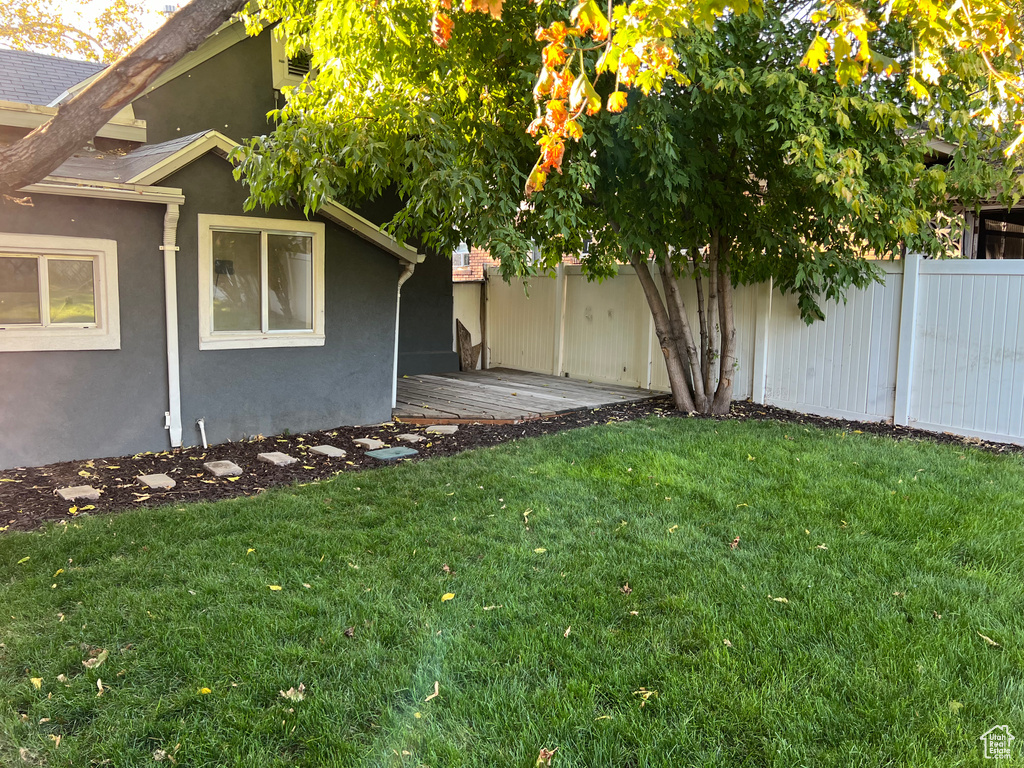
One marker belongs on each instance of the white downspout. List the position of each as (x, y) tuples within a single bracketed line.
[(170, 248), (406, 274)]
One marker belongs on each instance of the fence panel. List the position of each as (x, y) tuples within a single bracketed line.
[(968, 365), (606, 329), (843, 366), (521, 328)]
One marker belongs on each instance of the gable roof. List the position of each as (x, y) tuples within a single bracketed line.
[(34, 78), (151, 164)]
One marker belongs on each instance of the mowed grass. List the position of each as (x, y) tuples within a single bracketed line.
[(889, 561)]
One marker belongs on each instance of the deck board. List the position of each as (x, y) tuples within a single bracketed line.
[(502, 395)]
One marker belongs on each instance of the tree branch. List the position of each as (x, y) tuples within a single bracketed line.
[(30, 159)]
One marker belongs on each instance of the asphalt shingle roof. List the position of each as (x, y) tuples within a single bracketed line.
[(33, 78), (91, 165)]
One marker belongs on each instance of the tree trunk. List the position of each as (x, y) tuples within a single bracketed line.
[(30, 159), (711, 353), (681, 393), (727, 321), (683, 335)]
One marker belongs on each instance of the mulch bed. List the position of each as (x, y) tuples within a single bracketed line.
[(27, 498)]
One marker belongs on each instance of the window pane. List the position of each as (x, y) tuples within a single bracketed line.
[(19, 290), (236, 281), (290, 281), (72, 290)]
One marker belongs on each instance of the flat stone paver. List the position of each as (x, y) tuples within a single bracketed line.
[(393, 454), (443, 429), (328, 450), (223, 468), (276, 458), (369, 442), (157, 482), (76, 492), (409, 437)]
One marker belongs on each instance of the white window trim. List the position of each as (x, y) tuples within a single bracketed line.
[(105, 333), (210, 339)]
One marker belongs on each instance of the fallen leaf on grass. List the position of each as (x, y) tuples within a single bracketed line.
[(436, 693), (540, 550), (673, 529), (735, 543), (778, 599), (97, 661), (24, 560), (492, 607), (625, 588), (274, 587), (821, 546), (955, 706), (447, 596), (645, 695), (55, 738), (37, 682), (350, 632), (545, 757), (992, 643), (567, 631), (99, 687), (727, 643), (204, 691), (249, 551), (294, 694)]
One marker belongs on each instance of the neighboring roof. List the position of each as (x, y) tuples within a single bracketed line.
[(34, 78), (149, 165)]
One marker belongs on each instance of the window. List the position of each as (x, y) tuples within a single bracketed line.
[(1003, 239), (261, 283), (58, 293), (461, 256)]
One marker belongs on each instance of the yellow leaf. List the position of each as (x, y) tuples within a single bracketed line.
[(231, 479), (8, 480), (87, 506), (778, 599), (540, 550), (249, 551), (83, 473), (37, 682), (204, 691), (447, 596), (72, 510), (58, 573), (24, 560), (989, 640), (274, 587)]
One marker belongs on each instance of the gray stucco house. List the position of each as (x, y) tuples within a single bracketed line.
[(137, 297)]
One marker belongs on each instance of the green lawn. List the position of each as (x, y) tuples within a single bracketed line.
[(891, 558)]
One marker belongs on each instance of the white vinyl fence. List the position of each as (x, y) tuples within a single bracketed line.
[(939, 345)]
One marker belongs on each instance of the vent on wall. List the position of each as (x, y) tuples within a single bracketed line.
[(299, 64)]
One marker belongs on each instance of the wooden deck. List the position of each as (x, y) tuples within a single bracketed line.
[(501, 395)]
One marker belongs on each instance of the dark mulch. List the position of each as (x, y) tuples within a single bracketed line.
[(27, 497)]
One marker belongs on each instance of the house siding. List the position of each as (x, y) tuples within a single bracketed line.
[(425, 327), (63, 405), (243, 392), (231, 93)]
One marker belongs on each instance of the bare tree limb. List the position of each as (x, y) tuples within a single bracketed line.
[(30, 159)]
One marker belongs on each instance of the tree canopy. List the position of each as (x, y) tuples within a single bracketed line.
[(45, 26), (725, 143)]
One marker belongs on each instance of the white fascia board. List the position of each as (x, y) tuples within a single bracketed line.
[(216, 141), (352, 221), (940, 147), (210, 141), (122, 126), (105, 191)]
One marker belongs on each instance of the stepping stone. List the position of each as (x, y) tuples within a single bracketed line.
[(157, 482), (369, 442), (408, 437), (76, 492), (276, 458), (328, 450), (223, 468), (392, 454), (443, 429)]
